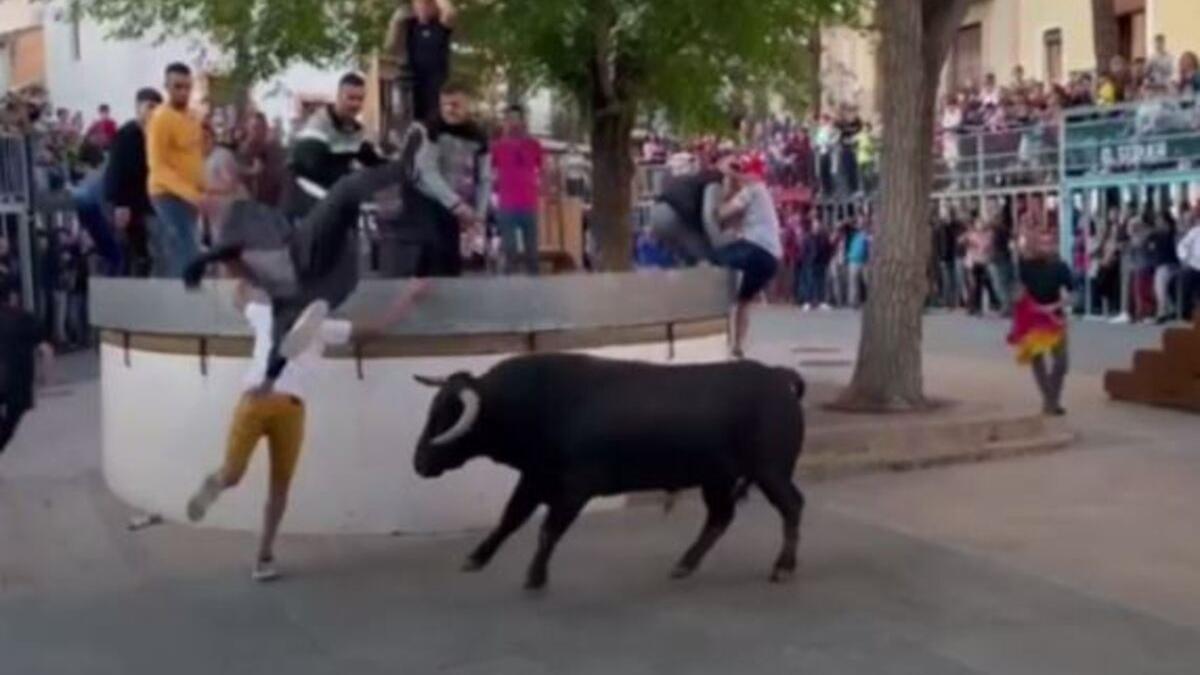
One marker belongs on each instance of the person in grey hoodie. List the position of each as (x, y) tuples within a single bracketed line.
[(451, 192)]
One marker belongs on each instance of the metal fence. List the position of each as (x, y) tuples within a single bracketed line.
[(1132, 163)]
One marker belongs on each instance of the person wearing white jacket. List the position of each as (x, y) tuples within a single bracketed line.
[(1189, 265)]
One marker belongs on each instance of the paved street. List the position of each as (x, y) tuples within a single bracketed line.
[(1085, 561)]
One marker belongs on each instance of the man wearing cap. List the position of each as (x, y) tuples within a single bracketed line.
[(750, 213)]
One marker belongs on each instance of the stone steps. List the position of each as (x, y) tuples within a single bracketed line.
[(1168, 377)]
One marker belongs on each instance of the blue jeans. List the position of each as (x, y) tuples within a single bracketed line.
[(91, 210), (756, 264), (174, 235), (812, 283), (519, 235)]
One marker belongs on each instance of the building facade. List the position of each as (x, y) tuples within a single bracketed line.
[(1048, 39)]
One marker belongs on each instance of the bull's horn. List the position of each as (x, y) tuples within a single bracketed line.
[(462, 427), (435, 382)]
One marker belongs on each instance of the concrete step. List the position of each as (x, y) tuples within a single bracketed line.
[(1161, 372), (831, 467), (1182, 345), (873, 436)]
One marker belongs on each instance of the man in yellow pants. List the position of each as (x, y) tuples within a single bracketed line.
[(275, 411)]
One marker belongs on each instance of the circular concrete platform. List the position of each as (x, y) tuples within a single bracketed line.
[(172, 363)]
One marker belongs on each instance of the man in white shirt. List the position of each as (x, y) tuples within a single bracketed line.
[(1160, 71), (275, 410), (1189, 265), (757, 250)]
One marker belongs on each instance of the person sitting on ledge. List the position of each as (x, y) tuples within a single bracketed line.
[(278, 414)]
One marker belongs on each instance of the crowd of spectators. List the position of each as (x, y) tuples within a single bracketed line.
[(1015, 126)]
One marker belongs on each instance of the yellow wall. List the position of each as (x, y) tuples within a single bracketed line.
[(848, 69), (998, 19), (1072, 17), (1179, 20), (1013, 33)]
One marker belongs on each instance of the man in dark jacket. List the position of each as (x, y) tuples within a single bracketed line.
[(20, 339), (684, 215), (328, 147), (126, 185)]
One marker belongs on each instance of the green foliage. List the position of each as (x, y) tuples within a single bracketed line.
[(694, 60), (257, 38)]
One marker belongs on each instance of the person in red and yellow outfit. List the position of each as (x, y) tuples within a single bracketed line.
[(1039, 332)]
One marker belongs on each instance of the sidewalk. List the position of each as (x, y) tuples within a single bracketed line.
[(1084, 561)]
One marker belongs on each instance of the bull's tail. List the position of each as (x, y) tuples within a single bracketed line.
[(741, 491)]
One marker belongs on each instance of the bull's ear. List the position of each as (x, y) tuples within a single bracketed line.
[(434, 382)]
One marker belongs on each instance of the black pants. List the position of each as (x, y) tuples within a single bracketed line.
[(1050, 373), (426, 95), (425, 243), (10, 417), (324, 249), (981, 281)]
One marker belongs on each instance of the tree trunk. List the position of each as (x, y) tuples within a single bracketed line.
[(815, 52), (612, 187), (916, 38), (1105, 33)]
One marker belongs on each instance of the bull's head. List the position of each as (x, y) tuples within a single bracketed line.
[(447, 443)]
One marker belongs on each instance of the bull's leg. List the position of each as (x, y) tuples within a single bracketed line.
[(521, 505), (785, 497), (720, 503), (563, 512)]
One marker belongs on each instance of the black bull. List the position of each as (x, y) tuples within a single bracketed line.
[(577, 427)]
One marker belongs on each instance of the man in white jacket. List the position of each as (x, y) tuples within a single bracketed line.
[(1189, 266)]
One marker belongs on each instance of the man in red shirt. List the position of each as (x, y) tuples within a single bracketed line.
[(517, 164), (104, 129)]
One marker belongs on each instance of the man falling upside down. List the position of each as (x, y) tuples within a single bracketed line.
[(306, 269)]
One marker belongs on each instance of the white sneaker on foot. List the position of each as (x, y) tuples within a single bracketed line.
[(304, 332), (1121, 319), (204, 498), (825, 307), (264, 571)]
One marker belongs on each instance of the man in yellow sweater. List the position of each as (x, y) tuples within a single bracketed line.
[(175, 153)]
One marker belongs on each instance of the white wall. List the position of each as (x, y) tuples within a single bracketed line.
[(164, 427), (17, 14), (111, 71)]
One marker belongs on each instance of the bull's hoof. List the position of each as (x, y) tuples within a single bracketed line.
[(682, 572), (782, 576), (535, 582), (473, 565)]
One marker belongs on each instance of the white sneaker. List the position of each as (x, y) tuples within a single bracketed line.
[(1120, 319), (807, 308), (204, 498), (264, 571), (305, 331), (825, 307)]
